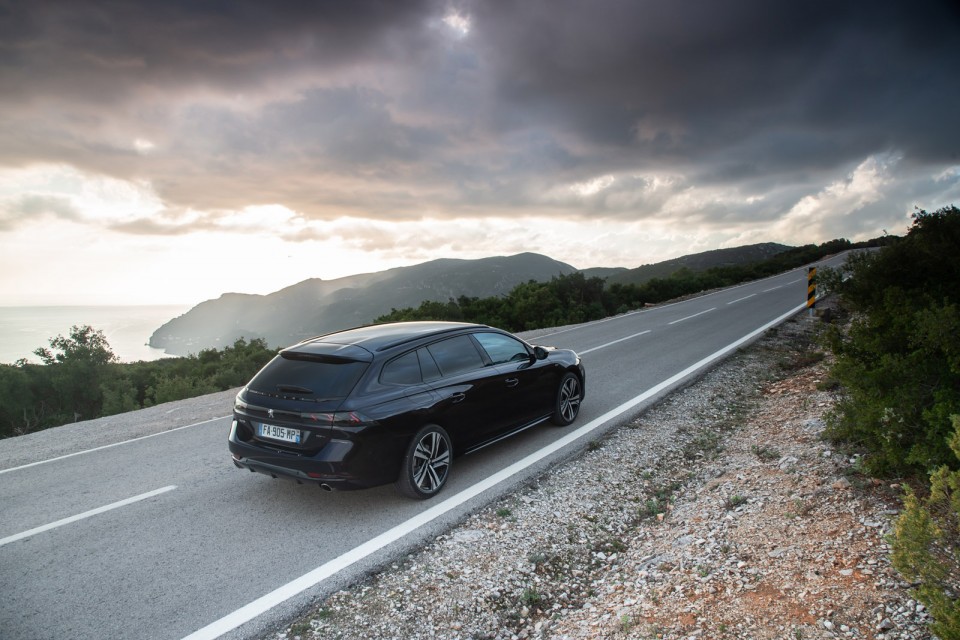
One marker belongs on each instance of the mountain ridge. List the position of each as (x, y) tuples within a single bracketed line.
[(315, 306)]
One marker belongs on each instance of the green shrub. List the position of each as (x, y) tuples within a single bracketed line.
[(899, 367), (899, 361), (926, 545), (80, 379)]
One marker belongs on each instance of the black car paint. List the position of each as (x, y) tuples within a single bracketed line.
[(476, 408)]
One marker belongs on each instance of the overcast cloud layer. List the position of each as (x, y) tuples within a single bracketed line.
[(693, 124)]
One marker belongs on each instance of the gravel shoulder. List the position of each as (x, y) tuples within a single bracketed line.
[(718, 513)]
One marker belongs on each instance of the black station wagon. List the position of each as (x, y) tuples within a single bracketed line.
[(396, 402)]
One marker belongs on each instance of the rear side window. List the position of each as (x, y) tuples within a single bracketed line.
[(411, 368), (456, 355), (402, 370), (502, 348), (428, 365), (308, 379)]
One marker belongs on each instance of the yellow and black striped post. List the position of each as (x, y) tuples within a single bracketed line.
[(811, 288)]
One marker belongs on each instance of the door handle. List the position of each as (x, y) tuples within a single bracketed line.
[(458, 397), (512, 382)]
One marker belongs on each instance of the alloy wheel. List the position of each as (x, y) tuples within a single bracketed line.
[(570, 399), (431, 462)]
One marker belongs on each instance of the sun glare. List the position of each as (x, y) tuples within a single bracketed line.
[(458, 23), (592, 187), (143, 146)]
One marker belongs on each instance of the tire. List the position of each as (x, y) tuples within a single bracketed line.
[(567, 405), (426, 464)]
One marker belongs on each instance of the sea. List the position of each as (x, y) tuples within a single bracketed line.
[(127, 328)]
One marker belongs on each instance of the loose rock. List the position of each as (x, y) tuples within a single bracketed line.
[(719, 513)]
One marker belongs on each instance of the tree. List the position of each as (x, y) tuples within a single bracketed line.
[(169, 388), (82, 379), (84, 344), (20, 412), (119, 395), (76, 368)]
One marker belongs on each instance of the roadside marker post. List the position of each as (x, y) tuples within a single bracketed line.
[(811, 288)]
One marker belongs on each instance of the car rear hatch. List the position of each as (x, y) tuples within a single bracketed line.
[(292, 402)]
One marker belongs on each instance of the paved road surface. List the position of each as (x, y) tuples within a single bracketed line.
[(160, 536)]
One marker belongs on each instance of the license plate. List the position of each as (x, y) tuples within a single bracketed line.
[(280, 433)]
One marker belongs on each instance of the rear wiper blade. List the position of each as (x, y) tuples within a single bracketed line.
[(292, 388)]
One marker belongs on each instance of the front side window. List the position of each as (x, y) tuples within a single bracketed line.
[(502, 348), (456, 355)]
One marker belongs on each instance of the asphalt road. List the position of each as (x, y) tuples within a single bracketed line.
[(104, 536)]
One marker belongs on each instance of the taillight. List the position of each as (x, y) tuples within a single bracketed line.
[(338, 419), (349, 419), (319, 418)]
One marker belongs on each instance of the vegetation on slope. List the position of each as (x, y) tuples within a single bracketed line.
[(80, 379), (575, 298), (898, 362)]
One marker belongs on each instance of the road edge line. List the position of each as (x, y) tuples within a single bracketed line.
[(261, 605)]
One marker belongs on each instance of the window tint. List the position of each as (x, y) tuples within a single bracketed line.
[(502, 348), (402, 370), (428, 366), (308, 379), (456, 355)]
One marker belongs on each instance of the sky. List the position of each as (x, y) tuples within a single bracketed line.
[(169, 152)]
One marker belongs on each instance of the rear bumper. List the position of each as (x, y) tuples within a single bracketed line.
[(335, 466), (296, 475)]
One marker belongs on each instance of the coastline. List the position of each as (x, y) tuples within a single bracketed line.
[(127, 328)]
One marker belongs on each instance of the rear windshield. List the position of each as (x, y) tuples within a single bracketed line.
[(308, 379)]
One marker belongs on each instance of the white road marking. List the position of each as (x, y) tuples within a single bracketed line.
[(580, 326), (742, 299), (604, 346), (84, 515), (108, 446), (693, 316), (297, 586)]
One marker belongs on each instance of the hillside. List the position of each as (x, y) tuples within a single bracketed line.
[(318, 306), (698, 262)]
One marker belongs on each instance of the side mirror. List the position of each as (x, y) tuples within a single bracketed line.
[(540, 353)]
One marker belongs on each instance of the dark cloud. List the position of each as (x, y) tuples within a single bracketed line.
[(98, 50), (374, 108), (660, 80)]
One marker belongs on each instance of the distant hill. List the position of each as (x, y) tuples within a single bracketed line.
[(699, 262), (319, 306), (603, 273)]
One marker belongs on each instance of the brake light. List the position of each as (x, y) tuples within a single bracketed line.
[(321, 418), (338, 419), (349, 419)]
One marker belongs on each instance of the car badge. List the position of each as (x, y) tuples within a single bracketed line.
[(270, 413)]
